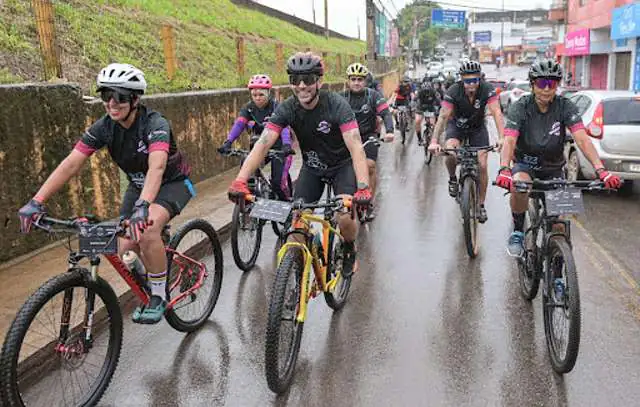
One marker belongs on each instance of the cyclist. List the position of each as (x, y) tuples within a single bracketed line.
[(535, 131), (372, 83), (438, 86), (327, 131), (402, 96), (254, 116), (449, 81), (142, 144), (462, 112), (428, 102), (368, 105)]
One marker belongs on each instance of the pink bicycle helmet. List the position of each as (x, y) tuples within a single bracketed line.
[(260, 81)]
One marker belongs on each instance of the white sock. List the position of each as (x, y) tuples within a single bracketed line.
[(158, 284)]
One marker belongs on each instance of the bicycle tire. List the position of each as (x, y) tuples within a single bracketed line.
[(336, 302), (469, 206), (277, 228), (77, 278), (172, 317), (403, 129), (563, 365), (528, 268), (428, 156), (292, 263), (244, 265)]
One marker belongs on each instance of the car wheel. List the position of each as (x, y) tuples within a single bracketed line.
[(573, 167)]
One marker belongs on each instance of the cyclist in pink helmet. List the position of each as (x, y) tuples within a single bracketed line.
[(253, 117)]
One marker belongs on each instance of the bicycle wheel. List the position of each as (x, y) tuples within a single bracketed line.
[(469, 207), (561, 306), (428, 156), (198, 240), (246, 236), (529, 266), (403, 128), (337, 297), (284, 332), (43, 367)]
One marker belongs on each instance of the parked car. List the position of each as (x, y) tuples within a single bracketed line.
[(567, 91), (515, 90), (434, 68), (612, 120), (497, 84)]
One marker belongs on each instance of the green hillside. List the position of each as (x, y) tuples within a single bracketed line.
[(93, 33)]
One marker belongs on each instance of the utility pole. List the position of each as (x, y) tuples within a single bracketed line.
[(326, 18), (359, 29), (371, 32), (313, 8)]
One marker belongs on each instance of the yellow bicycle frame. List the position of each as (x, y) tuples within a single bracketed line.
[(311, 261)]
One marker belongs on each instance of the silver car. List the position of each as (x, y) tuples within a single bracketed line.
[(612, 119), (514, 91)]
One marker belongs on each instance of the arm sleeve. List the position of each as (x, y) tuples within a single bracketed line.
[(281, 117), (159, 137), (239, 125), (382, 109), (449, 101), (514, 120), (92, 140), (571, 117)]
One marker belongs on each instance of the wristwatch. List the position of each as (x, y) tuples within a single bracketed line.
[(141, 202), (362, 185)]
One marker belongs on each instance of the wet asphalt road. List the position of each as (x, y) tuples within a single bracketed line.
[(424, 325)]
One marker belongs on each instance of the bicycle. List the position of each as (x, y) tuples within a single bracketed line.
[(548, 258), (468, 192), (403, 121), (426, 137), (85, 332), (243, 224), (363, 213), (305, 269)]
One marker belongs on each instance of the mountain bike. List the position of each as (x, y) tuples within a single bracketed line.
[(469, 192), (403, 121), (426, 137), (65, 341), (548, 258), (246, 232), (310, 262)]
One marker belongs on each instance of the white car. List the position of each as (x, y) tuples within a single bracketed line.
[(435, 66), (514, 91), (612, 120)]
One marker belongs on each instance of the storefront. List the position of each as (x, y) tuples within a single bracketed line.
[(625, 28), (600, 47), (576, 47)]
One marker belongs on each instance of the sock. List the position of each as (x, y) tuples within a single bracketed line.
[(518, 221), (158, 284)]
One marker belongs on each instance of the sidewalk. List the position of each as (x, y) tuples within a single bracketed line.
[(21, 277)]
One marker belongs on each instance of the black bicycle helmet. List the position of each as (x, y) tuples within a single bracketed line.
[(545, 68), (470, 67), (304, 63)]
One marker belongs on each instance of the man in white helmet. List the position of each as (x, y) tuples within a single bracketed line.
[(141, 143)]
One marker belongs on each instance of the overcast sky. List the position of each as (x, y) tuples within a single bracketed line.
[(344, 15)]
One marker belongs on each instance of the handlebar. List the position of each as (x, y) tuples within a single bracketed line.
[(335, 203), (468, 149), (54, 225), (277, 154), (545, 185)]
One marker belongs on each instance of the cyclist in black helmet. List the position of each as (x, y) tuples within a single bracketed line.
[(462, 112), (330, 142), (535, 131)]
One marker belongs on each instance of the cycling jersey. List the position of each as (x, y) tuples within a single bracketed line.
[(403, 92), (319, 130), (428, 100), (469, 115), (255, 119), (367, 105), (130, 148), (541, 136)]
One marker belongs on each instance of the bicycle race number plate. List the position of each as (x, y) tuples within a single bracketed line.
[(269, 209), (98, 238), (564, 202)]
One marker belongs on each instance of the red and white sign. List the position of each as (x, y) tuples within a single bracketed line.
[(577, 43)]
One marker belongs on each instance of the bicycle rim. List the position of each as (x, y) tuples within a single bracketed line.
[(246, 236), (284, 332), (562, 317), (336, 297), (38, 368), (197, 240), (469, 215), (528, 272)]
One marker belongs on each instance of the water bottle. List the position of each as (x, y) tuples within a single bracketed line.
[(135, 266)]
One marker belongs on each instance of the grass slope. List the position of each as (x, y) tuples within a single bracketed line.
[(93, 33)]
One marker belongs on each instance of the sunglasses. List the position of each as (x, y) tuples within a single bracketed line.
[(307, 78), (107, 94), (471, 81), (543, 83)]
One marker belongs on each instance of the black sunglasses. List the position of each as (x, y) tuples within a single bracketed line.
[(107, 94), (307, 78)]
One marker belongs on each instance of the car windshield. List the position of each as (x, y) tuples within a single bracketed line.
[(524, 86), (622, 111)]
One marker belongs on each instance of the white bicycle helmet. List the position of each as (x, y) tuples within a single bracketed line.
[(123, 76)]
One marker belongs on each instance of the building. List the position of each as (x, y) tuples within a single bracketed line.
[(528, 17), (589, 52)]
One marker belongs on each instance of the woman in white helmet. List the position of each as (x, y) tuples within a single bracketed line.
[(141, 143)]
